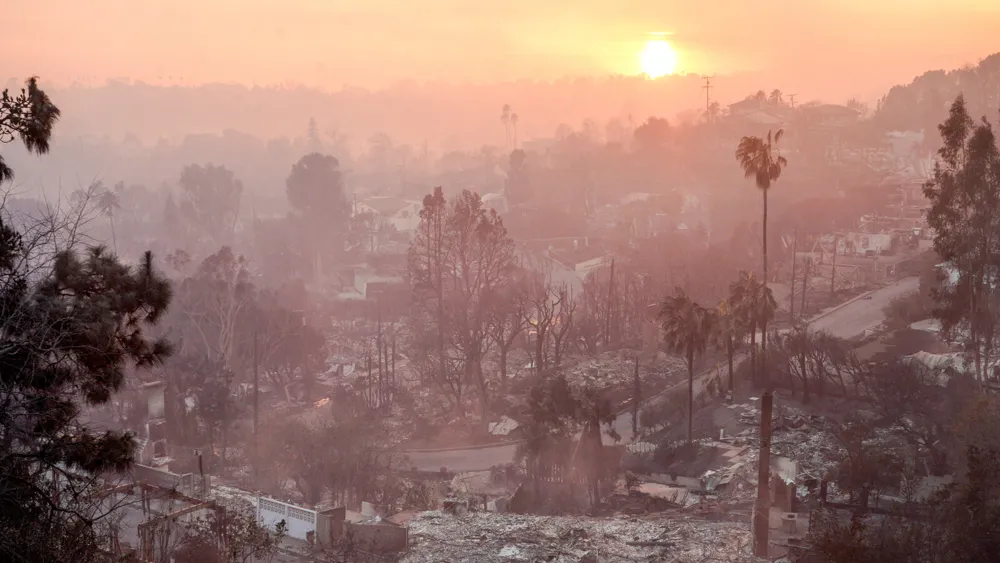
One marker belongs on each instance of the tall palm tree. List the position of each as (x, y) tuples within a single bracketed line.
[(687, 328), (752, 305), (505, 119), (762, 161)]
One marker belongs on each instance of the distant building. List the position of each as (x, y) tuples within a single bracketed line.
[(402, 214)]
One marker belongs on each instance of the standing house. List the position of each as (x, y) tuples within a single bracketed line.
[(402, 214)]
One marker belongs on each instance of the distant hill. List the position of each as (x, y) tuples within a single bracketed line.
[(923, 103)]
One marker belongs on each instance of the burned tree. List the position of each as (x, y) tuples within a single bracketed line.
[(460, 259)]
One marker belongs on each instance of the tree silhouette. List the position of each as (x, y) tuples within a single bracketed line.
[(753, 305), (760, 159), (687, 328), (965, 199), (29, 116)]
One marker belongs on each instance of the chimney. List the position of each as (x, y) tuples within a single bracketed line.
[(762, 508)]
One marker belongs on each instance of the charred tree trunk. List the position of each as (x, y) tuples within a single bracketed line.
[(729, 358), (690, 361)]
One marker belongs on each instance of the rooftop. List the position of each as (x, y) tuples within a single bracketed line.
[(388, 205)]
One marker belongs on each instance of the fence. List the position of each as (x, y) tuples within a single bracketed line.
[(300, 522)]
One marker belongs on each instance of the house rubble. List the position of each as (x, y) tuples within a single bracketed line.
[(487, 538)]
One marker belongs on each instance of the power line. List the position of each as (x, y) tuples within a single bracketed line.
[(708, 102)]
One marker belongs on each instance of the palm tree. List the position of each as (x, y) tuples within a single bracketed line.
[(761, 160), (752, 306), (108, 201), (776, 98), (727, 331), (505, 119), (687, 328)]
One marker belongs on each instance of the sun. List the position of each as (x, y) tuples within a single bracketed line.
[(658, 58)]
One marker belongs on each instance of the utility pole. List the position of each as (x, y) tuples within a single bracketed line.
[(762, 507), (256, 404), (791, 300), (833, 269), (708, 103), (610, 322), (805, 282), (791, 100), (636, 399)]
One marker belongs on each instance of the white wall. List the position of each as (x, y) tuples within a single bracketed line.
[(299, 521)]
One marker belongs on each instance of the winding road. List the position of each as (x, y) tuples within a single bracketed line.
[(847, 320)]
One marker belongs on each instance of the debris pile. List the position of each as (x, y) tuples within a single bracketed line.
[(617, 368), (807, 439), (487, 538)]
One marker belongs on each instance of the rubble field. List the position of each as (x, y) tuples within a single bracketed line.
[(478, 537)]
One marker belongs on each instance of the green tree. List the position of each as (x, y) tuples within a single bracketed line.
[(761, 160), (68, 340), (211, 197), (687, 328), (315, 189), (228, 536), (29, 116), (965, 216), (653, 134)]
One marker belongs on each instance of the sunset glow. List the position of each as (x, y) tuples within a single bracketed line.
[(658, 58)]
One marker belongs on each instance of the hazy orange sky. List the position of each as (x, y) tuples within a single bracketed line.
[(329, 43)]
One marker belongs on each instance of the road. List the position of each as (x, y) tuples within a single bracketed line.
[(478, 459), (858, 316), (848, 321)]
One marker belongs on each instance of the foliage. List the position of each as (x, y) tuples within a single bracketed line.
[(518, 186), (753, 307), (210, 201), (68, 340), (563, 435), (653, 134), (687, 330), (315, 188), (212, 303), (760, 159), (460, 260), (228, 536), (339, 450), (816, 362), (907, 309), (29, 116), (965, 216)]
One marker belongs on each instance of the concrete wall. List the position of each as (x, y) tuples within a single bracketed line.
[(299, 521), (159, 478)]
